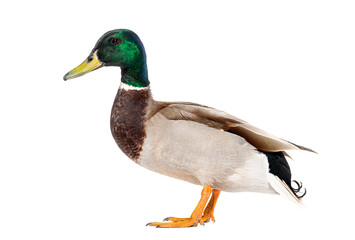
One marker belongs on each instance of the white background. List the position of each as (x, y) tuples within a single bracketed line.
[(284, 66)]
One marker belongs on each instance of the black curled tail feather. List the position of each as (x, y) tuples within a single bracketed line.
[(297, 191), (279, 167)]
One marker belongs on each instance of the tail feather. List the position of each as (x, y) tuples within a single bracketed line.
[(297, 190), (284, 190)]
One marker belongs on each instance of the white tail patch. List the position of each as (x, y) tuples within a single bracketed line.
[(281, 188)]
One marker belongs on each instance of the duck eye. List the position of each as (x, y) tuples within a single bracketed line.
[(115, 41)]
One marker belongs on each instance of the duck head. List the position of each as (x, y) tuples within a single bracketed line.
[(121, 48)]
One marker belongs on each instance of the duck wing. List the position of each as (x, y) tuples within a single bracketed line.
[(214, 118)]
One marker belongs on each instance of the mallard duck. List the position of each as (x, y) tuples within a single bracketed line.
[(188, 141)]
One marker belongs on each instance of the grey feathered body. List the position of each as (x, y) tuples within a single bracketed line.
[(202, 155), (197, 144)]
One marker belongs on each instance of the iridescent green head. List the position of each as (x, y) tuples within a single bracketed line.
[(121, 48)]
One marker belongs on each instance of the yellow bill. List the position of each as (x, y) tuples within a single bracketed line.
[(90, 64)]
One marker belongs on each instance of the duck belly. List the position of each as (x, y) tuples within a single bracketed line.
[(203, 155)]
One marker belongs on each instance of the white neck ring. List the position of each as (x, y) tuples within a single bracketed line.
[(129, 87)]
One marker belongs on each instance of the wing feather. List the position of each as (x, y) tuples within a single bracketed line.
[(214, 118)]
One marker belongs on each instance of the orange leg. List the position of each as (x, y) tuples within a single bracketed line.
[(193, 220), (208, 213)]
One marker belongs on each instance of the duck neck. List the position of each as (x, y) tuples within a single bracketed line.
[(136, 76)]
